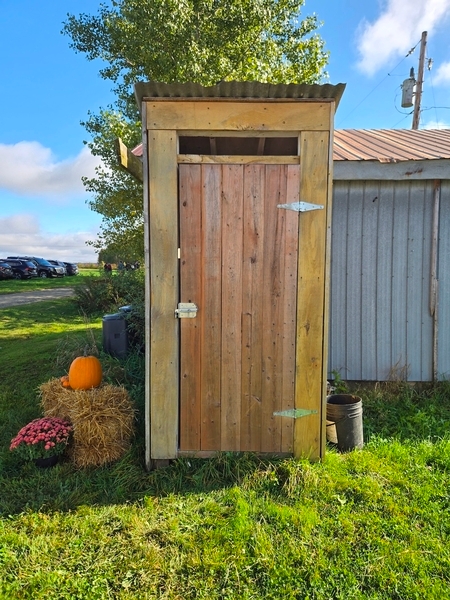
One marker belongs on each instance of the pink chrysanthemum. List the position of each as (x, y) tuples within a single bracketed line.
[(42, 437)]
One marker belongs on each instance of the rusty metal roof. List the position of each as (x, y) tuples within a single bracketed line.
[(391, 145), (239, 89)]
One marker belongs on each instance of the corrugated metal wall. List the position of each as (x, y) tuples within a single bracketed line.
[(443, 362), (381, 325)]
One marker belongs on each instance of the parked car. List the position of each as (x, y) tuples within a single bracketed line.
[(22, 269), (5, 270), (71, 268), (58, 263), (44, 268)]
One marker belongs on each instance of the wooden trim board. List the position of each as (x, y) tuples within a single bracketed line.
[(238, 160), (238, 116), (163, 244), (128, 160), (311, 294)]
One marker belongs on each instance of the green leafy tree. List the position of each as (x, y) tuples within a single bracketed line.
[(203, 41)]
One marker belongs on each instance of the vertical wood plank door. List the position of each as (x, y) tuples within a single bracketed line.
[(238, 264)]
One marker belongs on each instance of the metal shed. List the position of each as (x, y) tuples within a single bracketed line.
[(237, 190), (390, 259)]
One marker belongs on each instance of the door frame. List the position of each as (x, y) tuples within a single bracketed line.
[(164, 119)]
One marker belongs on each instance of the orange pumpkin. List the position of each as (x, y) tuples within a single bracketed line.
[(85, 373), (65, 381)]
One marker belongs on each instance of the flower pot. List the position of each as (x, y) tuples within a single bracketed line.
[(48, 461)]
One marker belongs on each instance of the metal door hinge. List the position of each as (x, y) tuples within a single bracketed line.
[(186, 310), (295, 413), (301, 206)]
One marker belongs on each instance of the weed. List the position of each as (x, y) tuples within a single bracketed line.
[(338, 384)]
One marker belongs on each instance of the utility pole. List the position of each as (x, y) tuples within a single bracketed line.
[(419, 84)]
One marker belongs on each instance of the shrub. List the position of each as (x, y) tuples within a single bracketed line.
[(108, 293)]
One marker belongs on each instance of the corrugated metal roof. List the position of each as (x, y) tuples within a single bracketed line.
[(391, 145), (238, 89)]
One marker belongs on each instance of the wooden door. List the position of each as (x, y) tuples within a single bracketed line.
[(238, 264)]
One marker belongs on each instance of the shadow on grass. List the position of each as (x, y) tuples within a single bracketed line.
[(394, 411), (401, 413)]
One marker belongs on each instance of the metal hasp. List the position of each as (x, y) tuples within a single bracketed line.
[(186, 310), (300, 206), (295, 413)]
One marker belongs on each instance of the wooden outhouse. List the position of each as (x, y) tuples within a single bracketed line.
[(237, 190)]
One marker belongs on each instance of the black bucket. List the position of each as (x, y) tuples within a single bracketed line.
[(115, 339), (344, 421)]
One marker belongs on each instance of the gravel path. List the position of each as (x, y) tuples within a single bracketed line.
[(8, 300)]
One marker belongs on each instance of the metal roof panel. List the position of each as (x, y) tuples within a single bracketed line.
[(239, 89), (391, 145)]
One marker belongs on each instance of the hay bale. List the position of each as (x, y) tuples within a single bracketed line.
[(102, 420), (56, 401), (102, 425)]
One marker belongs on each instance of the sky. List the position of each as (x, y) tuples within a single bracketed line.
[(47, 90)]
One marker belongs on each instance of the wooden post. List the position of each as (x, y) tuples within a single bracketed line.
[(163, 354), (148, 460), (311, 307), (418, 99)]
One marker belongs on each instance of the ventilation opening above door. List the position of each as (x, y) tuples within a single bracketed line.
[(239, 146)]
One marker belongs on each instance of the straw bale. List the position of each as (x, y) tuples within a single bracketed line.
[(56, 400), (102, 420)]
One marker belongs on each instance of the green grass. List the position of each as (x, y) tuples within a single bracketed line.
[(368, 524), (14, 286)]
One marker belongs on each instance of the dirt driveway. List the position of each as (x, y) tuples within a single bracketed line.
[(8, 300)]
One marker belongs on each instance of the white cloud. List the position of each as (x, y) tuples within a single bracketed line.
[(25, 236), (442, 74), (398, 28), (28, 168), (435, 125), (21, 224)]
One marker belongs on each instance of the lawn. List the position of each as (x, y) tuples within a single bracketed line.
[(13, 286), (368, 524)]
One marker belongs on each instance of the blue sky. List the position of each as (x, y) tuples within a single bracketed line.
[(47, 89)]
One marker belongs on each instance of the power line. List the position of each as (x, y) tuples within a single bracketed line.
[(435, 107), (408, 115), (378, 84), (365, 98)]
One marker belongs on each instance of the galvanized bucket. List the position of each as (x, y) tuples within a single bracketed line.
[(344, 421)]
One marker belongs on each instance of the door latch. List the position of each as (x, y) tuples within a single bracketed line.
[(186, 310)]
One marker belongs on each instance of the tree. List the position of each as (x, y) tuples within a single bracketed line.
[(116, 195), (203, 41)]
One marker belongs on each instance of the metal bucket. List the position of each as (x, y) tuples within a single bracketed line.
[(344, 421)]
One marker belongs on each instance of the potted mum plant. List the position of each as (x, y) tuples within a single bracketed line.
[(42, 440)]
